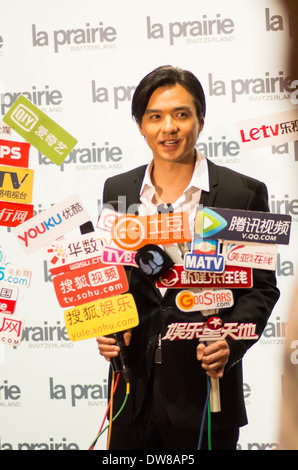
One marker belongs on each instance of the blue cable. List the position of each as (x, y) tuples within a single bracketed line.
[(204, 413)]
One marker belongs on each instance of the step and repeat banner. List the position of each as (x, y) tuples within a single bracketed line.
[(73, 67)]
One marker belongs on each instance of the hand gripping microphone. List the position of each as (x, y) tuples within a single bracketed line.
[(119, 363)]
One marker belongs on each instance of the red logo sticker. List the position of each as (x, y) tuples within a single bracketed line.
[(14, 213), (14, 153), (233, 277), (90, 283), (7, 306)]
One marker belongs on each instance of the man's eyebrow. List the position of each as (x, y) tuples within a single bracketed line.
[(179, 108)]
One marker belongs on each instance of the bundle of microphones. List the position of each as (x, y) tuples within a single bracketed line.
[(152, 261)]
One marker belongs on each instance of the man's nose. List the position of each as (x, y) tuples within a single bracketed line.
[(169, 125)]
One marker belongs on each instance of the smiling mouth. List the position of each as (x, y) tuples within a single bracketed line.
[(169, 143)]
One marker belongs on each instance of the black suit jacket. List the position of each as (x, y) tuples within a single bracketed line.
[(183, 381)]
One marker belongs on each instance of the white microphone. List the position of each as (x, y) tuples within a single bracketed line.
[(215, 405)]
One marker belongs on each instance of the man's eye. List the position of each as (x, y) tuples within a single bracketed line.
[(182, 115)]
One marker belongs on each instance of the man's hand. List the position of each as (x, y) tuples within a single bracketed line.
[(107, 346), (214, 357)]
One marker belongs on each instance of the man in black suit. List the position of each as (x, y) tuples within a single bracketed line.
[(165, 406)]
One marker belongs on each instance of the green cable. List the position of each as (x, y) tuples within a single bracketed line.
[(121, 409), (116, 416)]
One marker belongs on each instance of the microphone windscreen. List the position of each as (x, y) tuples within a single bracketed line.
[(153, 261), (87, 227), (112, 205)]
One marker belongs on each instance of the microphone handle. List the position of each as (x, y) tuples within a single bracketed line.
[(215, 405), (215, 396), (119, 363)]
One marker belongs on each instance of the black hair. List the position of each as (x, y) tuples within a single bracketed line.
[(163, 76)]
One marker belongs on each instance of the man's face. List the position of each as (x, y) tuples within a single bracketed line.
[(170, 124)]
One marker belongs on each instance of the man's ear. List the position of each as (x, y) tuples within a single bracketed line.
[(141, 129), (202, 122)]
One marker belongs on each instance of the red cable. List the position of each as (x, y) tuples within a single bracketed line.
[(106, 413)]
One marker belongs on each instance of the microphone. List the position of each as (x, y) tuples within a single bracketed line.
[(153, 261), (87, 227), (164, 208), (215, 403), (119, 363)]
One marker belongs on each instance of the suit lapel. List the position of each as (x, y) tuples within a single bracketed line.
[(134, 188), (208, 198)]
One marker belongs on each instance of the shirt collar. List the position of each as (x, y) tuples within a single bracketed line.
[(199, 180)]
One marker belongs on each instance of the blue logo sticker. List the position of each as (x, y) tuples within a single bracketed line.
[(208, 223)]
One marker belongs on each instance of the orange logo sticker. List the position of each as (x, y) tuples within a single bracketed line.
[(131, 232), (189, 301)]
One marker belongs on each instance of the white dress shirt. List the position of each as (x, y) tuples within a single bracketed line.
[(190, 197), (187, 202)]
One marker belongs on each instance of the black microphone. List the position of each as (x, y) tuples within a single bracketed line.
[(87, 227), (119, 363), (165, 208), (153, 261)]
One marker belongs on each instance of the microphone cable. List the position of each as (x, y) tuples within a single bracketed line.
[(105, 416), (206, 412), (209, 426), (112, 419), (111, 411)]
